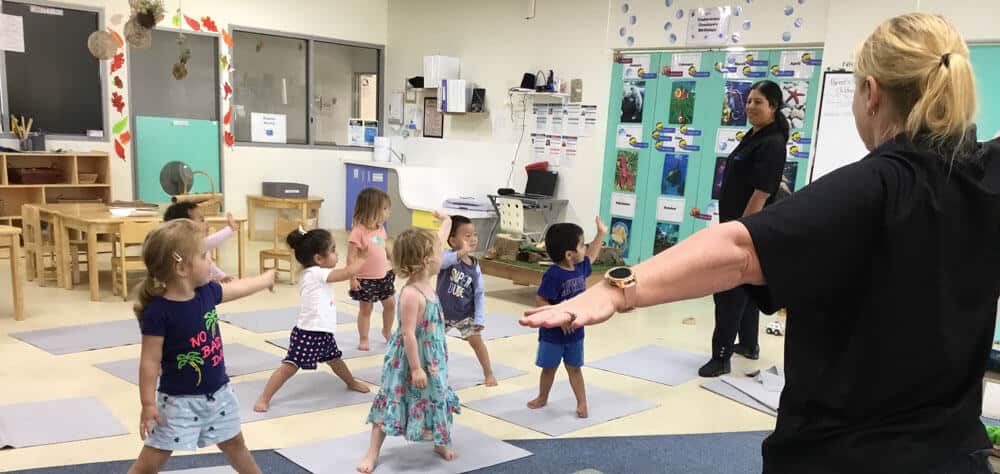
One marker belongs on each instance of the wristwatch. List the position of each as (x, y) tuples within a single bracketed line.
[(622, 277)]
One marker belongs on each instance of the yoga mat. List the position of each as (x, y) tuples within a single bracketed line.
[(663, 365), (724, 389), (475, 450), (304, 393), (559, 416), (347, 342), (84, 337), (499, 326), (756, 390), (240, 360), (204, 470), (56, 421), (463, 372), (273, 320)]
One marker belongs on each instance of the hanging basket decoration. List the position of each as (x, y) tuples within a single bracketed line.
[(147, 13), (102, 45), (137, 36), (180, 71)]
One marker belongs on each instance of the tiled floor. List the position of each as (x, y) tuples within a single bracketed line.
[(29, 374)]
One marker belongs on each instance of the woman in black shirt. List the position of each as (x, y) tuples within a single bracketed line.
[(889, 268), (751, 179)]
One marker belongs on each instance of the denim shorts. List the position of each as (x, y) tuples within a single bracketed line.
[(195, 421), (551, 354)]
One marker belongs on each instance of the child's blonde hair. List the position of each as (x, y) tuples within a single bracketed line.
[(368, 208), (169, 244), (411, 249)]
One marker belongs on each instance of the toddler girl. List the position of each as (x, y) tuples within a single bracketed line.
[(375, 281)]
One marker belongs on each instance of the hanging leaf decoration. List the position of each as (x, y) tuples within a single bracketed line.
[(119, 127), (119, 150), (125, 138), (227, 39), (224, 62), (117, 101), (118, 82), (176, 20), (229, 115), (209, 25), (118, 62), (118, 37), (229, 139), (192, 23), (227, 89)]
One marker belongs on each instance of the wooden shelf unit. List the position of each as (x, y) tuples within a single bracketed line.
[(67, 189)]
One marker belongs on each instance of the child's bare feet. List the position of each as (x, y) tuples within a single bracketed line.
[(363, 345), (538, 403), (445, 453), (358, 386), (367, 465), (581, 410), (491, 381), (261, 406)]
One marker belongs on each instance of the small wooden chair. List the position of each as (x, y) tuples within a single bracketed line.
[(40, 249), (132, 234), (281, 252)]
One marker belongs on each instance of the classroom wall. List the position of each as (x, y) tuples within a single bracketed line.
[(246, 166)]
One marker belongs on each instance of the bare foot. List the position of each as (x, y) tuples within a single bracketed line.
[(387, 333), (367, 464), (491, 381), (363, 345), (445, 453), (538, 403), (581, 410), (261, 406), (358, 386)]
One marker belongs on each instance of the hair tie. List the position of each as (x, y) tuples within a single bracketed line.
[(946, 59), (178, 257), (301, 230)]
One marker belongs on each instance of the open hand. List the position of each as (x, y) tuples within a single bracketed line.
[(601, 228), (148, 416), (594, 306), (418, 378), (355, 284), (232, 222), (440, 215)]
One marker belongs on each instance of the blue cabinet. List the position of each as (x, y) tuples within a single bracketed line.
[(360, 177)]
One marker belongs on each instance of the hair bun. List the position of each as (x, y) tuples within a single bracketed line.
[(295, 238)]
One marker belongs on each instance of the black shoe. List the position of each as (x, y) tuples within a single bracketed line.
[(715, 368), (752, 354)]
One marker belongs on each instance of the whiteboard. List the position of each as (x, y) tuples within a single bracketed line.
[(837, 140)]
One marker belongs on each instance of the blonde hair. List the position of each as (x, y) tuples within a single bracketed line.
[(170, 243), (922, 62), (368, 208), (410, 250)]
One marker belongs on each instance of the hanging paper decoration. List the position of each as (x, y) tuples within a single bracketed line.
[(176, 20), (224, 62), (119, 127), (118, 102), (228, 90), (209, 25), (118, 62), (102, 45), (118, 82), (227, 39), (138, 36), (125, 138), (119, 150), (229, 139), (191, 22), (118, 38), (228, 117), (117, 19)]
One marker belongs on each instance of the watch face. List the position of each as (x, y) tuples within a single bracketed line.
[(621, 273)]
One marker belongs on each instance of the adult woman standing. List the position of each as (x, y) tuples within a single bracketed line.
[(751, 180), (889, 268)]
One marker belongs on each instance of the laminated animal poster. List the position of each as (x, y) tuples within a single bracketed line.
[(675, 169), (682, 99), (633, 96), (734, 104), (626, 169), (667, 235), (621, 230)]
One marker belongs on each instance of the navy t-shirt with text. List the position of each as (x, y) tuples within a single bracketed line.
[(192, 362), (558, 285)]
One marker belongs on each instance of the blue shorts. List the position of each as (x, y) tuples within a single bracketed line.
[(195, 421), (550, 354)]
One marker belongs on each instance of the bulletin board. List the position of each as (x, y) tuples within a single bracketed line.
[(673, 118)]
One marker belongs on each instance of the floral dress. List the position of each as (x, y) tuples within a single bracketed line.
[(404, 410)]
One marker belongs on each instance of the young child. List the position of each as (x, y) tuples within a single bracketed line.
[(190, 210), (312, 338), (415, 400), (375, 281), (194, 405), (562, 281), (460, 288)]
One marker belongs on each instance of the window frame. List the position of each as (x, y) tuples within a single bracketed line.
[(311, 41), (103, 79)]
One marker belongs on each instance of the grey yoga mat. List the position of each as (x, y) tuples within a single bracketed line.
[(275, 319), (240, 360), (304, 393), (499, 326), (724, 389), (463, 372), (559, 416), (84, 337), (56, 421), (475, 450), (658, 364)]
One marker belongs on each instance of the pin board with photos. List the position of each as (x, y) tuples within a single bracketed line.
[(673, 119)]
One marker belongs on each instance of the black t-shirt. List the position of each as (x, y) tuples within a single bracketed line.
[(756, 163), (890, 270)]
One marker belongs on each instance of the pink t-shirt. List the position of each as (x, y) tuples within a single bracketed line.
[(372, 240)]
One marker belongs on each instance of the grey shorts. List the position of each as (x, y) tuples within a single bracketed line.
[(195, 421)]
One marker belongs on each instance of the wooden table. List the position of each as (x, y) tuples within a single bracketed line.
[(95, 219), (522, 275), (12, 236), (308, 208)]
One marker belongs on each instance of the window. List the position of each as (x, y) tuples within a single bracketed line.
[(55, 81), (277, 74)]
